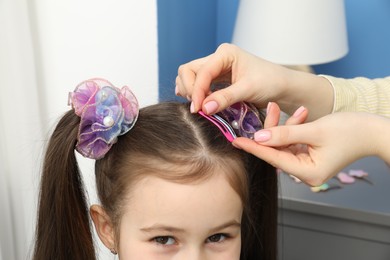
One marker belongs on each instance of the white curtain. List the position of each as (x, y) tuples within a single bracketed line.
[(46, 48), (20, 130)]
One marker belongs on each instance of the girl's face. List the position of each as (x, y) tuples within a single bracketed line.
[(167, 220)]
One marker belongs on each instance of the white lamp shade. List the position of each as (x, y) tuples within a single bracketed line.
[(292, 32)]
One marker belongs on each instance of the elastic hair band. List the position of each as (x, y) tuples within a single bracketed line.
[(106, 112)]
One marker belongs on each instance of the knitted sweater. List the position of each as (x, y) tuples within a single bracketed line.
[(361, 95)]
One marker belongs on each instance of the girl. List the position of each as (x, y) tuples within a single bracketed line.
[(172, 187)]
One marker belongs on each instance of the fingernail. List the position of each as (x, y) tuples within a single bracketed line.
[(236, 145), (299, 111), (262, 135), (192, 107), (211, 107), (269, 107), (176, 90)]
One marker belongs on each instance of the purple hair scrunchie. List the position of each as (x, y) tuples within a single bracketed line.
[(106, 112)]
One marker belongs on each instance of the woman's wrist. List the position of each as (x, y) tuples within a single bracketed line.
[(381, 137), (308, 90), (371, 134)]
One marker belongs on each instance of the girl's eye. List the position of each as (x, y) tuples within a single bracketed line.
[(217, 238), (165, 240)]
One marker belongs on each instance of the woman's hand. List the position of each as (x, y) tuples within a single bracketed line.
[(246, 72), (253, 80), (316, 151)]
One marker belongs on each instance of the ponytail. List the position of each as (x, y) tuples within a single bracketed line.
[(63, 228)]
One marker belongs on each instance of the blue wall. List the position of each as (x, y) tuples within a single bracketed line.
[(368, 25), (191, 29)]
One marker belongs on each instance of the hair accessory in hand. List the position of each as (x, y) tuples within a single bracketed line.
[(225, 128), (240, 119), (106, 112), (244, 118)]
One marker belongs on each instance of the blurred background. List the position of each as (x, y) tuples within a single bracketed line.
[(194, 28)]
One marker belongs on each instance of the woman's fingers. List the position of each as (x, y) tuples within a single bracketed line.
[(186, 76), (301, 165), (218, 65), (283, 159), (273, 115), (299, 116), (287, 135)]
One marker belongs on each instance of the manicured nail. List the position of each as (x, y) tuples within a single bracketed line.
[(192, 107), (299, 111), (236, 145), (269, 107), (262, 135), (211, 107)]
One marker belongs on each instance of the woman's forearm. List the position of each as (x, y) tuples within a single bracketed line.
[(308, 90)]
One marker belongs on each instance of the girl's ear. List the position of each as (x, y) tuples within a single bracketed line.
[(103, 226)]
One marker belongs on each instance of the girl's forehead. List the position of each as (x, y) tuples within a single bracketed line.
[(189, 206)]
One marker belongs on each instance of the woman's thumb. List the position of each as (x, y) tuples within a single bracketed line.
[(284, 135)]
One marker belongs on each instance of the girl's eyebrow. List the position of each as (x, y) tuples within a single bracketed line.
[(232, 223), (164, 228)]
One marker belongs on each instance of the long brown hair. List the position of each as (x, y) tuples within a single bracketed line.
[(166, 141)]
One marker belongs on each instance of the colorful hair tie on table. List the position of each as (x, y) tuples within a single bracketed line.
[(325, 187), (106, 112)]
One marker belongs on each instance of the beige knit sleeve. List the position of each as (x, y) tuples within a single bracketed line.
[(361, 95)]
